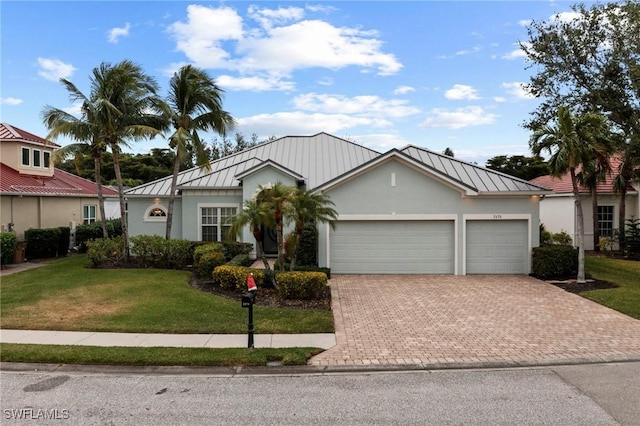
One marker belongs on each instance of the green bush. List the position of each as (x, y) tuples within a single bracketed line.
[(301, 285), (8, 242), (106, 252), (309, 268), (555, 262), (561, 238), (201, 249), (308, 251), (632, 238), (234, 248), (153, 251), (234, 278), (207, 262), (240, 260), (42, 243), (63, 242), (93, 230)]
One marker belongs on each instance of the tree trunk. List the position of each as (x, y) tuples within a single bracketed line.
[(172, 194), (294, 258), (279, 239), (123, 209), (258, 236), (596, 223), (579, 227), (98, 176)]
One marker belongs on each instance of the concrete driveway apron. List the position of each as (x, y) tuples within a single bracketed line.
[(444, 320)]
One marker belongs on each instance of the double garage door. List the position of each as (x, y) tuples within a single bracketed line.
[(427, 247)]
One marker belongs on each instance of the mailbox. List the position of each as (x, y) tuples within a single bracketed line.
[(248, 299)]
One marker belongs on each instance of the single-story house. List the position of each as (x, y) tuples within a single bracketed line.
[(406, 211), (558, 209), (34, 193)]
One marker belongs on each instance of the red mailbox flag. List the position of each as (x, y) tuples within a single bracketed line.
[(251, 283)]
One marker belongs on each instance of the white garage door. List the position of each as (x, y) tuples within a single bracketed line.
[(497, 247), (392, 247)]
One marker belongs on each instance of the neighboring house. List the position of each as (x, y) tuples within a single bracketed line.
[(558, 210), (35, 194), (404, 211)]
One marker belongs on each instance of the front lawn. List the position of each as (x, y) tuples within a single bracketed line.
[(66, 295), (626, 274)]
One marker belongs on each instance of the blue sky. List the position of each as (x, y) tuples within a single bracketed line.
[(381, 73)]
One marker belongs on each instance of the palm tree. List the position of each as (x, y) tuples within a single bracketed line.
[(255, 215), (309, 207), (627, 171), (85, 131), (126, 109), (195, 104), (570, 142), (277, 197)]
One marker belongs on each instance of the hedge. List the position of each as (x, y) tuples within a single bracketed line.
[(8, 242), (234, 278), (555, 262), (301, 285), (43, 243)]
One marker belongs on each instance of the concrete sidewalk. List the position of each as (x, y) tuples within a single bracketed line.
[(88, 338)]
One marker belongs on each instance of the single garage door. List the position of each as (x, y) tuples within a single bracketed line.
[(497, 247), (392, 247)]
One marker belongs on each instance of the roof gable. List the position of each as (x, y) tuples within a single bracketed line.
[(9, 133), (269, 163)]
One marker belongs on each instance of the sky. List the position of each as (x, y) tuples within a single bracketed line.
[(383, 74)]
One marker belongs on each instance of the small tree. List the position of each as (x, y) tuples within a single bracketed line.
[(276, 197), (255, 215)]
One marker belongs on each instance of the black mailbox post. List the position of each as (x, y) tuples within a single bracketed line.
[(247, 302)]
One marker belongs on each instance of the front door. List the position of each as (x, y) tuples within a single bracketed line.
[(269, 240)]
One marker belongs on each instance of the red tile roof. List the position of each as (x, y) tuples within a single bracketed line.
[(9, 133), (62, 183), (562, 185)]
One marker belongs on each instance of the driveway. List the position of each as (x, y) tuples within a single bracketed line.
[(471, 320)]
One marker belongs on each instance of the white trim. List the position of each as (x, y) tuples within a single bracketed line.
[(147, 218), (21, 156), (398, 218), (496, 217), (199, 206)]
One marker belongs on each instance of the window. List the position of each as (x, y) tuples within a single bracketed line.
[(36, 158), (605, 220), (214, 222), (88, 214), (157, 212), (26, 157), (47, 159)]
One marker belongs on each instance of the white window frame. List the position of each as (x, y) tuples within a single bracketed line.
[(86, 219), (613, 219), (147, 212), (37, 158), (46, 159), (200, 206), (22, 150)]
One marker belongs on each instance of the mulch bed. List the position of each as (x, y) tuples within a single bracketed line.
[(591, 284), (265, 296)]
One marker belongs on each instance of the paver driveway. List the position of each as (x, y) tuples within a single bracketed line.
[(471, 320)]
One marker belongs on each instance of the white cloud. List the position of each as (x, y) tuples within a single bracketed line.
[(368, 106), (54, 69), (403, 90), (517, 90), (257, 84), (218, 37), (515, 54), (524, 22), (10, 101), (458, 118), (325, 81), (74, 109), (460, 92), (566, 16), (499, 99), (381, 142), (321, 8), (114, 34)]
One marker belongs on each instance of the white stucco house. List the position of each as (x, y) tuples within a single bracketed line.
[(406, 211), (558, 210)]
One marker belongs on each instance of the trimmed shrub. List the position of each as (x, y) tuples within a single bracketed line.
[(106, 252), (309, 268), (153, 251), (555, 262), (93, 230), (240, 260), (201, 249), (178, 253), (301, 285), (308, 250), (207, 262), (234, 278), (42, 243), (63, 242), (234, 248), (8, 242)]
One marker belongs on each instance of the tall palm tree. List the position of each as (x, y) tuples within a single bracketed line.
[(309, 207), (277, 197), (570, 142), (255, 215), (85, 131), (127, 108), (194, 104)]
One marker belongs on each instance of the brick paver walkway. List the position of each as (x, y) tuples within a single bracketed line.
[(475, 320)]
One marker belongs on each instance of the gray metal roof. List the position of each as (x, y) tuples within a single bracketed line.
[(318, 159), (481, 179)]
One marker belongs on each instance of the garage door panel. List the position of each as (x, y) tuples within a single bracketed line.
[(392, 247), (497, 247)]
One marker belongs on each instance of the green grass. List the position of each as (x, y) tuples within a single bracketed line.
[(66, 295), (626, 274), (10, 352)]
